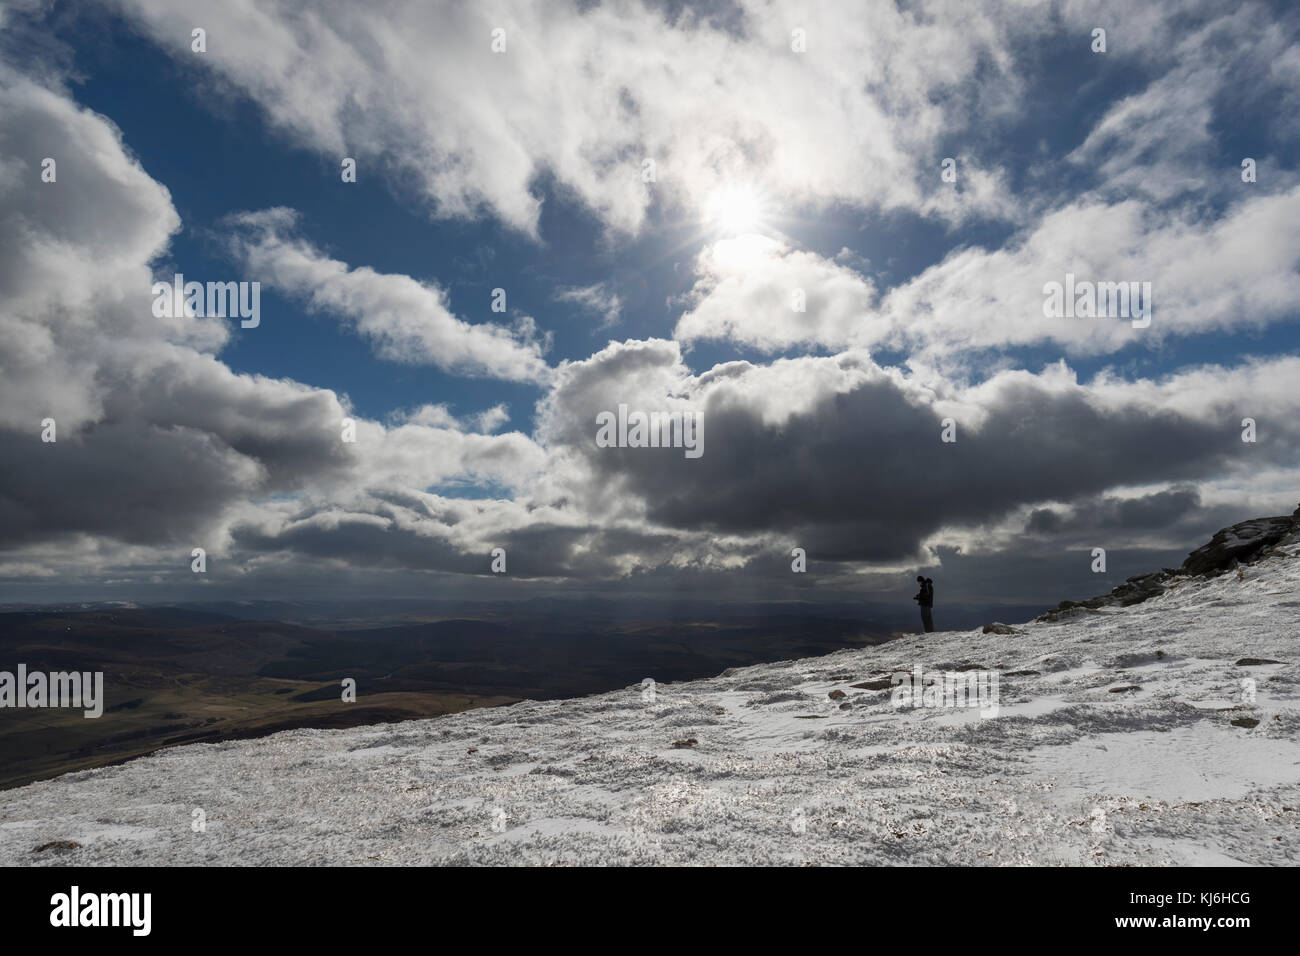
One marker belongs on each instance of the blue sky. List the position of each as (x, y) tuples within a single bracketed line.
[(521, 170)]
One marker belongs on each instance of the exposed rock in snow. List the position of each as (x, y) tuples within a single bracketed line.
[(1244, 543), (1159, 733), (1239, 544)]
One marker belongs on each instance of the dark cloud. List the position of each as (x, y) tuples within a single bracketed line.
[(862, 474)]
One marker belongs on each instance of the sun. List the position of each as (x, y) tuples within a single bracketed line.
[(734, 210)]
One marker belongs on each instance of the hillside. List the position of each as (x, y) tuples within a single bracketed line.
[(1125, 735), (177, 676), (174, 676)]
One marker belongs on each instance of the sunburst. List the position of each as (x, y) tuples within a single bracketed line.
[(734, 210)]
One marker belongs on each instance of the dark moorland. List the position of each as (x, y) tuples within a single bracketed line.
[(228, 670), (174, 676)]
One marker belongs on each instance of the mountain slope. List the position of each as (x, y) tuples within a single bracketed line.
[(1125, 735)]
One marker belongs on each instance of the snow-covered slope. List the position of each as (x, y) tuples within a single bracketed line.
[(1073, 770)]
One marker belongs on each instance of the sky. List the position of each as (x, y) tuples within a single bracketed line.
[(824, 231)]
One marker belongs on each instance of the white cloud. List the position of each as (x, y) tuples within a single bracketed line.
[(765, 293), (406, 320), (1162, 142), (160, 445), (1238, 272), (74, 277), (414, 89), (598, 298)]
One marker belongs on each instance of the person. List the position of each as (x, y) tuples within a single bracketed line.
[(926, 599)]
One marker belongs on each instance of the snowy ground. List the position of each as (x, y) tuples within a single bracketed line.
[(1071, 771)]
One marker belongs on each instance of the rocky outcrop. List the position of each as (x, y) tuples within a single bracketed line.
[(1240, 544), (1139, 588), (1243, 543)]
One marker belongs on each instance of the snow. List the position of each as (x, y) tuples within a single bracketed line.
[(1187, 763), (1069, 772)]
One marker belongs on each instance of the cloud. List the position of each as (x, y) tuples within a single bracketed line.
[(440, 416), (845, 458), (74, 279), (160, 446), (1164, 142), (405, 320), (1241, 271), (1103, 513), (598, 298), (585, 93), (766, 293)]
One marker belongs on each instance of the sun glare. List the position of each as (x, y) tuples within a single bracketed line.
[(734, 210)]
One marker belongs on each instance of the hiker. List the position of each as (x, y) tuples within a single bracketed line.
[(925, 597)]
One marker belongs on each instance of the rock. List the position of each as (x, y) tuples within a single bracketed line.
[(999, 628), (688, 742), (1246, 722), (58, 845), (846, 706), (836, 694), (1021, 674), (1120, 690), (883, 684), (1075, 609), (1139, 588), (1255, 661), (1241, 543)]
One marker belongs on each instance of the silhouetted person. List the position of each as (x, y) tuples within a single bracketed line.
[(925, 597)]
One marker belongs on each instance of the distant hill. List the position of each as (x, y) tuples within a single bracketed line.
[(183, 675)]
